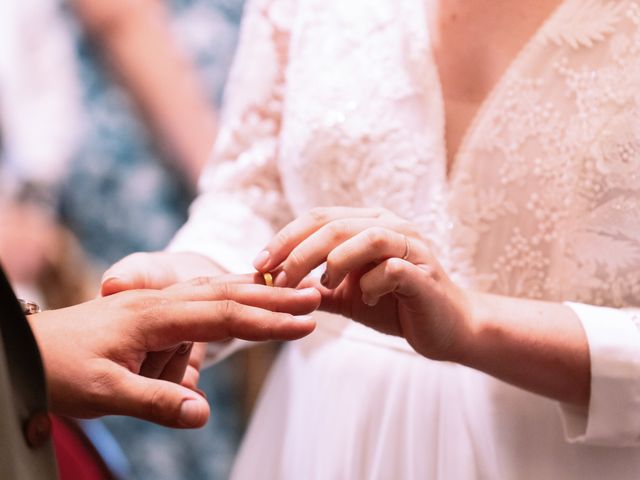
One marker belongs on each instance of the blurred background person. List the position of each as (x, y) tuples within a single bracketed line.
[(107, 114), (38, 88), (41, 126)]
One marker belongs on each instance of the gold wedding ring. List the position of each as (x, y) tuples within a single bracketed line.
[(268, 279)]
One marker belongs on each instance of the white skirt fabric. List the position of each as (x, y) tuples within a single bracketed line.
[(349, 403)]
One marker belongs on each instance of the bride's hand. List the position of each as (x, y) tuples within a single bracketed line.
[(379, 271), (156, 270)]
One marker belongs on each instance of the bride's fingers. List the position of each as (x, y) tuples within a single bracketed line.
[(139, 270), (295, 232), (399, 277), (314, 250), (153, 270), (373, 245)]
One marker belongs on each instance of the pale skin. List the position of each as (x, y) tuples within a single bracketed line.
[(469, 70), (538, 346), (101, 357)]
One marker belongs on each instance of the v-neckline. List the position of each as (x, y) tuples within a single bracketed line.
[(450, 169)]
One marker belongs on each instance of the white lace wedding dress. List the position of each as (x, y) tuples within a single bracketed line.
[(338, 102)]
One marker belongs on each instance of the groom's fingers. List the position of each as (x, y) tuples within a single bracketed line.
[(191, 378), (155, 363), (198, 354), (158, 401), (169, 322), (295, 302), (175, 369), (196, 359)]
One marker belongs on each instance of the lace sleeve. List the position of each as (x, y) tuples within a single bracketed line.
[(241, 202)]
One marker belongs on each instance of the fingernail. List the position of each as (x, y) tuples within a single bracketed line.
[(324, 279), (371, 302), (303, 318), (184, 348), (111, 278), (281, 280), (190, 413), (112, 284), (202, 393), (261, 260)]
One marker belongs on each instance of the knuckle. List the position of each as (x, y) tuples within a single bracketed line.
[(146, 307), (428, 272), (225, 290), (229, 310), (377, 237), (281, 240), (335, 264), (395, 268), (333, 260), (296, 258), (319, 214), (337, 230), (99, 388), (214, 287), (201, 281), (201, 284), (142, 302), (432, 272)]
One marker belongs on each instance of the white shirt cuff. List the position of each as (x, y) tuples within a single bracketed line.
[(613, 415)]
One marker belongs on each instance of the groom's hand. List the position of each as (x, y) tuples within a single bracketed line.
[(94, 352), (157, 270)]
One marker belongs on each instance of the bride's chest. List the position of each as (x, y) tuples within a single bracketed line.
[(473, 45), (364, 118)]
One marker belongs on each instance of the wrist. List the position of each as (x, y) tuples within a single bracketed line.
[(477, 325)]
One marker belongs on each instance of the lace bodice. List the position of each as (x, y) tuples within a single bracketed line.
[(549, 181)]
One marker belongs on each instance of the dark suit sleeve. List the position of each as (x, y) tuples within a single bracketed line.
[(25, 368)]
